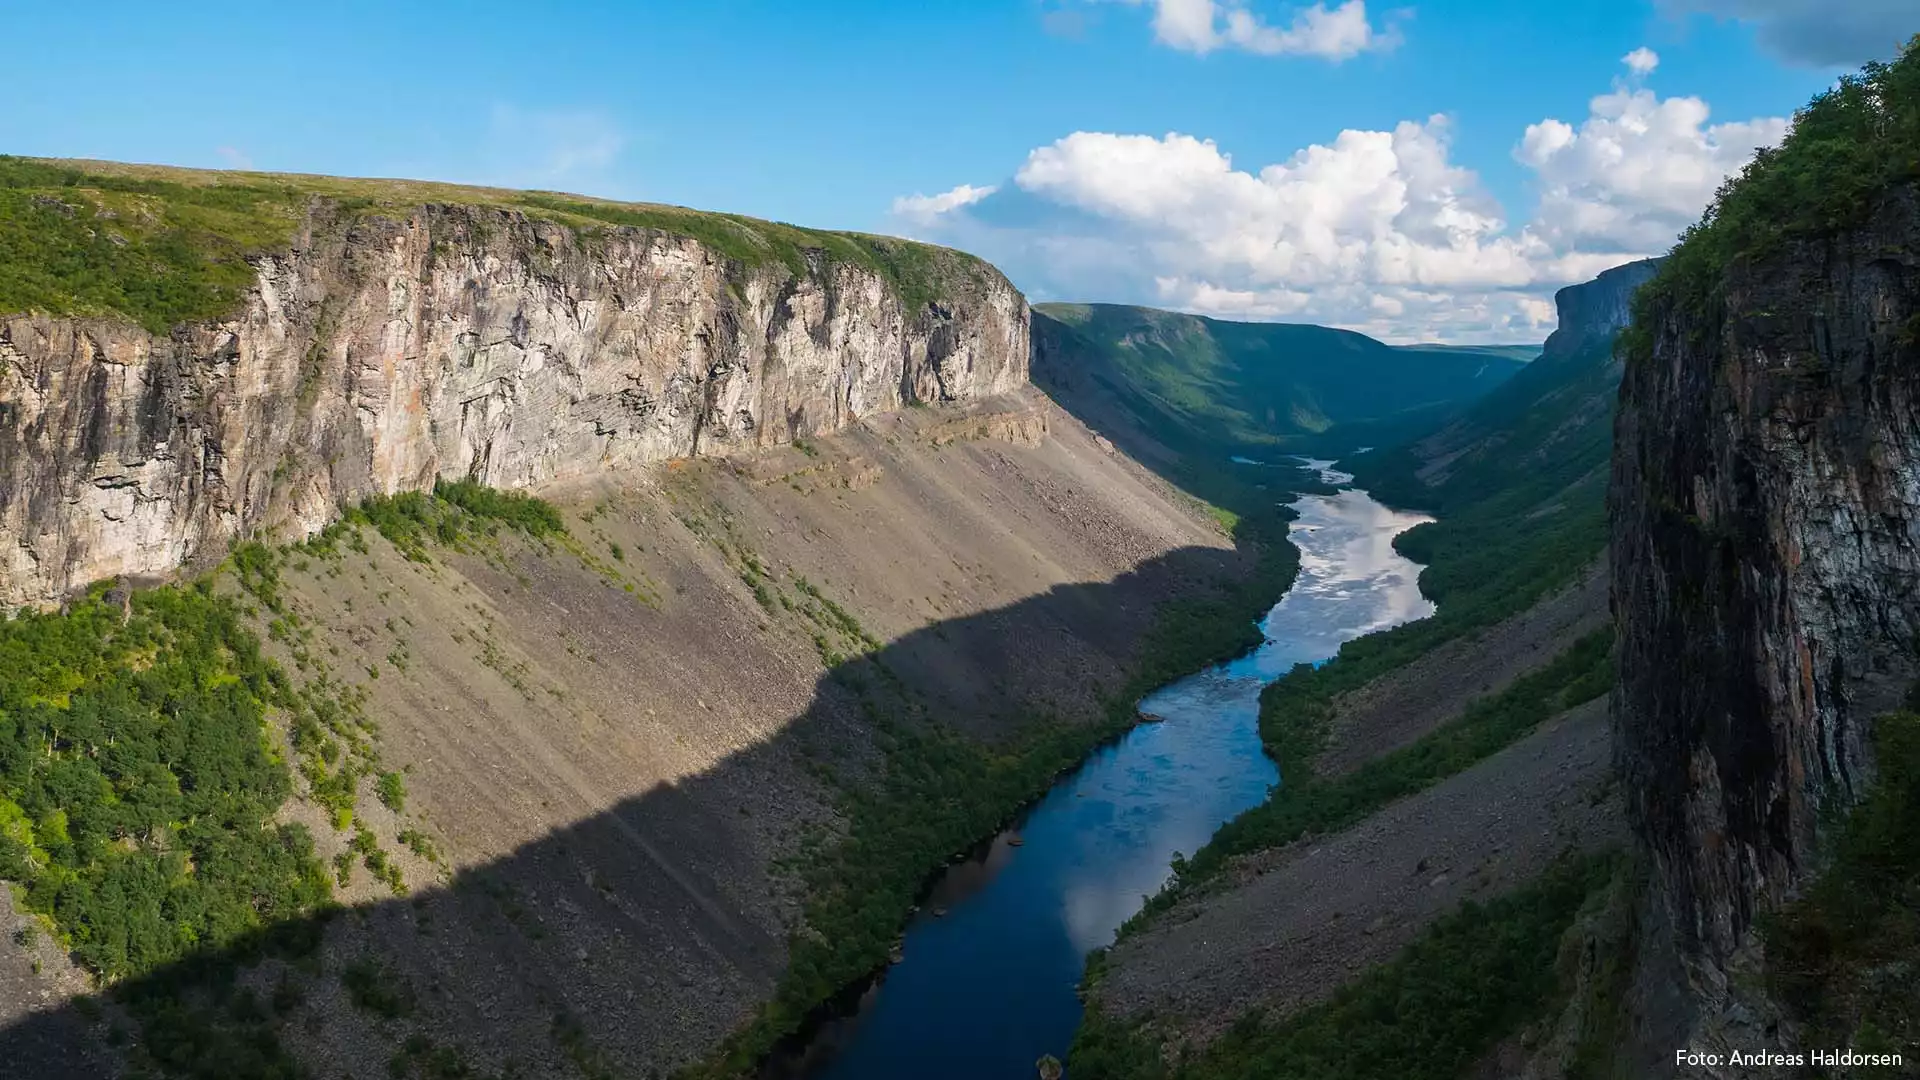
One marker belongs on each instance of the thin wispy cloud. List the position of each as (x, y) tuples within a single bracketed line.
[(552, 147)]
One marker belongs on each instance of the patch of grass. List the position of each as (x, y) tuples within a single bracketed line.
[(453, 513), (1469, 980), (420, 844), (392, 789), (154, 251), (420, 1058), (572, 1038)]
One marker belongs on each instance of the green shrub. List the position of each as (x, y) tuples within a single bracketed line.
[(137, 784), (392, 789), (370, 986)]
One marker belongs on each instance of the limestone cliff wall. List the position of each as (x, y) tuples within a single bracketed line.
[(381, 353), (1766, 570)]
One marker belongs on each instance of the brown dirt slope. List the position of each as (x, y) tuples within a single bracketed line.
[(619, 748)]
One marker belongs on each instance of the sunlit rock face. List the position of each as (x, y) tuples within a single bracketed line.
[(378, 355), (1766, 574)]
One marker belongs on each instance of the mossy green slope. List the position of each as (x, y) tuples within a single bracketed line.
[(1194, 382)]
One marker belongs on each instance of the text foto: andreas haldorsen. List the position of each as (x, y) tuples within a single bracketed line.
[(1831, 1058)]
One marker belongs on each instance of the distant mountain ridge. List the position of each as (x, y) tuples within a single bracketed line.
[(1187, 381)]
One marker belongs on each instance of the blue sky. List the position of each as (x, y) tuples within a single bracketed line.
[(836, 114)]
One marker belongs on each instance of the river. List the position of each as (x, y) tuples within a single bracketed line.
[(987, 979)]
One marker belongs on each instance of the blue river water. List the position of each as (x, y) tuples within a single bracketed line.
[(986, 982)]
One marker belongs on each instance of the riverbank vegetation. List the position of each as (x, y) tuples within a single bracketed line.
[(1294, 728), (1443, 1003), (938, 793)]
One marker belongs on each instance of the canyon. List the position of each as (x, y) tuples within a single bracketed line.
[(649, 604)]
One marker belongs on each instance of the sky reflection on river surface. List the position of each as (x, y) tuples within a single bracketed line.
[(988, 987)]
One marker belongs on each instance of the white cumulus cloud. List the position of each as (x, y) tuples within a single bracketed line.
[(1641, 61), (918, 207), (1636, 171), (1380, 231), (1203, 26)]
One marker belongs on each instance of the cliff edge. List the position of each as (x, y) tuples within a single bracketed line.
[(356, 338), (1765, 549)]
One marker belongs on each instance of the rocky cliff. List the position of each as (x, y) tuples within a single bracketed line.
[(382, 351), (1597, 309), (1765, 555)]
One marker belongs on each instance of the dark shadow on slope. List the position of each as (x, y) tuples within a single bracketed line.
[(619, 945)]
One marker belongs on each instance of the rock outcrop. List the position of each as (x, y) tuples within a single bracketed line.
[(1766, 574), (383, 352), (1597, 310)]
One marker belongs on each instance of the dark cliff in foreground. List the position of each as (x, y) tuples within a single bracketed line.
[(1765, 549)]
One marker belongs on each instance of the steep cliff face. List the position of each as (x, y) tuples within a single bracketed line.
[(1597, 309), (384, 351), (1766, 566)]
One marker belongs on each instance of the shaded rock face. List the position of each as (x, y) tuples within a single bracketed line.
[(379, 355), (1766, 570), (1597, 309)]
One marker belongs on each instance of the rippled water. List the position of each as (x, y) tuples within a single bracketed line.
[(988, 986)]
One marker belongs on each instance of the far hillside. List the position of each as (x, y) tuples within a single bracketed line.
[(1526, 463), (1507, 353), (1160, 381)]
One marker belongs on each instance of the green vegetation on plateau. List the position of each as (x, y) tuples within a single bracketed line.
[(161, 246), (1847, 150), (1467, 982), (1210, 386)]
